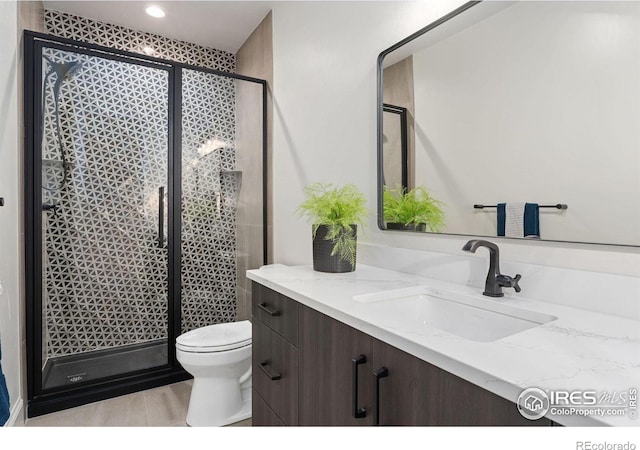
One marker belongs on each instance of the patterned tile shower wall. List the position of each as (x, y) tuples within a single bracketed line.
[(104, 277), (100, 33)]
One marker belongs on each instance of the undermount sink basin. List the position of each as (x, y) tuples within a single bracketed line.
[(469, 317)]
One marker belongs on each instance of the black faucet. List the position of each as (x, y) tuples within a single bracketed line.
[(495, 280)]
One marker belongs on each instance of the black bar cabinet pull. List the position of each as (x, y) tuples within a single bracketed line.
[(358, 413), (382, 372), (272, 312), (273, 376), (161, 217)]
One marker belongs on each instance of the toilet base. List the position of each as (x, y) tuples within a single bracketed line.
[(232, 404), (244, 414)]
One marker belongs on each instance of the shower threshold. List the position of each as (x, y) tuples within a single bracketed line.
[(89, 366)]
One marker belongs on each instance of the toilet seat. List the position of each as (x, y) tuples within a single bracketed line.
[(216, 338), (212, 349)]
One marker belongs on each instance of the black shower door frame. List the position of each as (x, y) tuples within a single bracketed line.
[(43, 401)]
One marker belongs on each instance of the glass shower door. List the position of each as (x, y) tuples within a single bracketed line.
[(104, 153), (222, 193)]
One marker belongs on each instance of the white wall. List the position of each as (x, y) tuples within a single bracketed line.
[(324, 100), (10, 213), (539, 102), (324, 126)]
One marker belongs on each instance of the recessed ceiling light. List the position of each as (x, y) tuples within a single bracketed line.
[(155, 11), (148, 50)]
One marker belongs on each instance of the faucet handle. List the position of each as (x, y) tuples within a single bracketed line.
[(515, 284), (507, 281)]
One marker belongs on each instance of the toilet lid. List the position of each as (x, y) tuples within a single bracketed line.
[(216, 338)]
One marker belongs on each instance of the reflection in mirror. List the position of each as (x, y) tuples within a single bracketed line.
[(520, 106), (412, 210), (394, 146)]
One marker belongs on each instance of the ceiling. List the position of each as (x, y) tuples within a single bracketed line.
[(224, 25)]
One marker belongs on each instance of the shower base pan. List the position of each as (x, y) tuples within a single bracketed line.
[(90, 366)]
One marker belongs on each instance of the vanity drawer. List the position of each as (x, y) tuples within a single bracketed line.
[(275, 372), (276, 311), (262, 415)]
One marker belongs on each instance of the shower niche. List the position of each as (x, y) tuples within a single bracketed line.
[(132, 194)]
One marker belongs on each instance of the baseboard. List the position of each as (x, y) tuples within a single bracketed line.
[(16, 415)]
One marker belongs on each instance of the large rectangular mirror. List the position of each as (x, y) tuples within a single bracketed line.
[(522, 120)]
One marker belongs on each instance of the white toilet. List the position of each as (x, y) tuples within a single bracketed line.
[(219, 358)]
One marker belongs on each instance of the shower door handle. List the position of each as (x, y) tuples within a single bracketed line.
[(161, 217)]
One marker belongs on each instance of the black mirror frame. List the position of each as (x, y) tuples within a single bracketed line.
[(379, 113), (380, 101)]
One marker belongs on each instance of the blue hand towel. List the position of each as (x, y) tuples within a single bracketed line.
[(531, 219), (502, 218), (4, 396)]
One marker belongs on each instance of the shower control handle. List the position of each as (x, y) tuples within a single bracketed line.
[(272, 312), (274, 376), (161, 217)]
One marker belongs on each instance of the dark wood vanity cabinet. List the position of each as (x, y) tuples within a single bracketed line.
[(415, 392), (332, 374), (328, 392)]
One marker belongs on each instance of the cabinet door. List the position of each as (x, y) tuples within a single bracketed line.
[(454, 401), (417, 393), (403, 392), (326, 385)]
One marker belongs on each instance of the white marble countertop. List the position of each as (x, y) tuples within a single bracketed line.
[(580, 350)]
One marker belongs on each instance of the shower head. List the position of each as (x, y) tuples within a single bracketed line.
[(67, 68), (62, 70)]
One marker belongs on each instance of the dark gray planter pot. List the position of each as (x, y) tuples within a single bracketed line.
[(410, 227), (322, 259)]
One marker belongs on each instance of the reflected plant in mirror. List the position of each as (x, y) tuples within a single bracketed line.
[(518, 106), (413, 210)]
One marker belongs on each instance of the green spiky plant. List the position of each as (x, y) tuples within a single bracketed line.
[(338, 208), (414, 207)]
